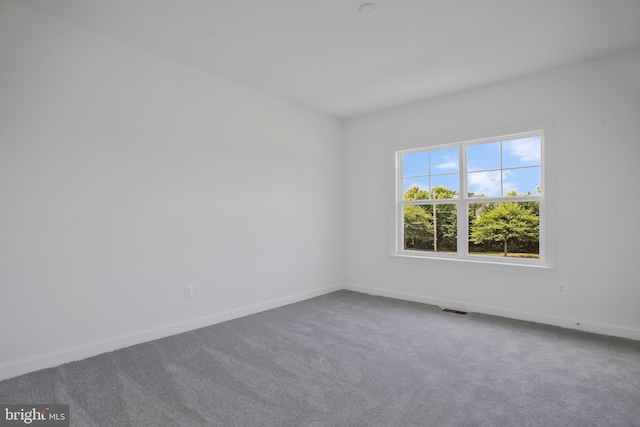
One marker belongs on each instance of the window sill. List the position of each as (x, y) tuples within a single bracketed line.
[(472, 264)]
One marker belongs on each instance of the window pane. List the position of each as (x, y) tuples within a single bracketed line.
[(487, 184), (420, 222), (522, 181), (415, 164), (506, 229), (443, 161), (446, 186), (521, 152), (422, 185), (483, 156)]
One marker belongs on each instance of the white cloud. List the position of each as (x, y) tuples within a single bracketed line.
[(447, 165), (507, 185), (487, 183), (526, 149)]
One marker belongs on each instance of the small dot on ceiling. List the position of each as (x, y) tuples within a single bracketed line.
[(368, 8)]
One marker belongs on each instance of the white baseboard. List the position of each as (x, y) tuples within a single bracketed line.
[(48, 360), (597, 328)]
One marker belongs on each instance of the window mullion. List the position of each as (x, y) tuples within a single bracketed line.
[(463, 220), (399, 240)]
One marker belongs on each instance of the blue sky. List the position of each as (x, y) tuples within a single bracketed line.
[(520, 171)]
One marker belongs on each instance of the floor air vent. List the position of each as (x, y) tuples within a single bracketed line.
[(448, 310)]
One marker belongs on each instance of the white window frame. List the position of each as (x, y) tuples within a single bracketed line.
[(545, 259)]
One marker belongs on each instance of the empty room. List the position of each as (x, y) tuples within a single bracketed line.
[(329, 213)]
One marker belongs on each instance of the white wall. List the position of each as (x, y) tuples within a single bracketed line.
[(595, 108), (125, 176)]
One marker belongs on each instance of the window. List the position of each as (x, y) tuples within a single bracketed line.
[(481, 200)]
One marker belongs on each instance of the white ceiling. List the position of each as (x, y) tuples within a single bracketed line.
[(325, 55)]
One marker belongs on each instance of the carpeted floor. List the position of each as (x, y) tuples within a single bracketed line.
[(349, 359)]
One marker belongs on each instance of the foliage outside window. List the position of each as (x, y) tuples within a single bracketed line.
[(480, 200)]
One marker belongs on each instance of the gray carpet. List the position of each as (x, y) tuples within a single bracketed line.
[(348, 359)]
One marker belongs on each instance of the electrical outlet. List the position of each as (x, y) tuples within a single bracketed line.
[(188, 291), (561, 287)]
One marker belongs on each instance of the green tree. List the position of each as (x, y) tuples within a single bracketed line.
[(446, 219), (415, 193), (533, 207), (431, 226), (508, 220), (418, 222), (441, 192), (418, 228)]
